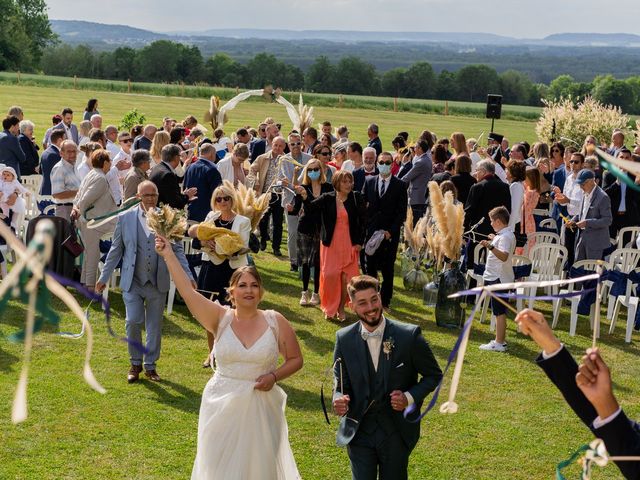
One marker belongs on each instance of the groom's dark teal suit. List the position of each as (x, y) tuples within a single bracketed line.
[(383, 438)]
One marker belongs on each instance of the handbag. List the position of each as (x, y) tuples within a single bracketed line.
[(71, 243)]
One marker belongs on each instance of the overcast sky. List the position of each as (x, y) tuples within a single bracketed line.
[(517, 18)]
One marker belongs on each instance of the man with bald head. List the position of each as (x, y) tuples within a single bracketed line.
[(264, 173), (144, 280), (144, 140)]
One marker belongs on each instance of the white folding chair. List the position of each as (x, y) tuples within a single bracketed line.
[(547, 261), (623, 260), (589, 266), (630, 302)]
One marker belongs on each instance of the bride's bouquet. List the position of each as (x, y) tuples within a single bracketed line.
[(167, 222)]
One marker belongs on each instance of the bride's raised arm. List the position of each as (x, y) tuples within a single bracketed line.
[(204, 310)]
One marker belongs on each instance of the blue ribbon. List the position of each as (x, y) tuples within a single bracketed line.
[(519, 271), (96, 297)]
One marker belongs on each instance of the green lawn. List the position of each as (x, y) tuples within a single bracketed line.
[(512, 423), (40, 103)]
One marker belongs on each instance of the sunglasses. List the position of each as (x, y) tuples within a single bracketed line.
[(555, 150), (295, 144), (325, 154), (126, 140), (385, 163), (313, 169), (574, 161), (223, 199)]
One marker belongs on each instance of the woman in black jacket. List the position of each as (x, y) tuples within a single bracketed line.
[(342, 230), (462, 178), (315, 183), (29, 147)]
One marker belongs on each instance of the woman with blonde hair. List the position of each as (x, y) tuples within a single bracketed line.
[(160, 139), (217, 268), (315, 184), (242, 429), (342, 227), (459, 144)]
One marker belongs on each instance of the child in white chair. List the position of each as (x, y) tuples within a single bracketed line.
[(9, 185)]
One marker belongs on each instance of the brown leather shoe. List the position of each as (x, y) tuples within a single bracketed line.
[(134, 373), (152, 375)]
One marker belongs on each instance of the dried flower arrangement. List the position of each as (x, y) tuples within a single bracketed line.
[(167, 222)]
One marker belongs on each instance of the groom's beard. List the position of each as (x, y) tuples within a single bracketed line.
[(372, 318)]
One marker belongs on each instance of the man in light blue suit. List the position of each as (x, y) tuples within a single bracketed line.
[(144, 280)]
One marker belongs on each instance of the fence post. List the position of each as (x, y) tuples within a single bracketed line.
[(75, 82), (18, 77), (182, 87), (395, 104), (128, 85), (340, 101), (446, 108), (237, 90)]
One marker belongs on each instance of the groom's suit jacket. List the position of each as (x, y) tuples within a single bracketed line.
[(621, 436), (409, 359), (126, 240)]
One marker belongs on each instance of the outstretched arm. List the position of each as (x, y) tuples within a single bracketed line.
[(205, 311)]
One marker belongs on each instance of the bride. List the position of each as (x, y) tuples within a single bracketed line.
[(242, 431)]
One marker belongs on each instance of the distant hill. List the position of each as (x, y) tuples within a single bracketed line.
[(75, 31), (594, 39)]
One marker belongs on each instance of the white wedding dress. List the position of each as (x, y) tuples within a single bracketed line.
[(242, 432)]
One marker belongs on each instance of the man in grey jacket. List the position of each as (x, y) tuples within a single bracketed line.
[(418, 177)]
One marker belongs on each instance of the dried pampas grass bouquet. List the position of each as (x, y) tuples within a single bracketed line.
[(167, 222)]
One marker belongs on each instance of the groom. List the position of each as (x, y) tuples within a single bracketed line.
[(378, 362)]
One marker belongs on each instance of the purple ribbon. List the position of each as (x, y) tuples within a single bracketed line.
[(96, 297)]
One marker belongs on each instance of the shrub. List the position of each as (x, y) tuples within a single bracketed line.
[(131, 118), (588, 117)]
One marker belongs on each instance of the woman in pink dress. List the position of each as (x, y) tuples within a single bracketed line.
[(342, 214), (531, 199)]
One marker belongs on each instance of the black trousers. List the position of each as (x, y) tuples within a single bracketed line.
[(276, 212), (378, 451), (383, 261), (570, 243), (418, 212)]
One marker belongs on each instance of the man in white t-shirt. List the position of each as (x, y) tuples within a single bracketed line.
[(498, 269)]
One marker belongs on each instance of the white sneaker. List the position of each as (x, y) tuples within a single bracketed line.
[(304, 299), (494, 346), (315, 299)]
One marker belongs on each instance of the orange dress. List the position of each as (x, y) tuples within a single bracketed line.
[(531, 199), (338, 258)]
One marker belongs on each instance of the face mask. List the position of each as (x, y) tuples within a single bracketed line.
[(384, 170), (179, 171), (314, 175)]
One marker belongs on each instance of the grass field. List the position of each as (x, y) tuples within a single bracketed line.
[(512, 423), (40, 103), (473, 109)]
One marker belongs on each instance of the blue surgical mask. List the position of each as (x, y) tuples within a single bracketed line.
[(384, 170), (314, 176)]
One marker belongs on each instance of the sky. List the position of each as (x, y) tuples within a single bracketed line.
[(515, 18)]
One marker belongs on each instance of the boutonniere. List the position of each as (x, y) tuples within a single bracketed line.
[(387, 346)]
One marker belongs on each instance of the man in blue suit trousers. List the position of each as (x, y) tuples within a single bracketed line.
[(204, 175), (381, 368), (144, 280)]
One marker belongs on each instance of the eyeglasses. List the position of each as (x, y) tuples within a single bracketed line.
[(226, 198), (573, 162), (385, 163), (126, 140), (295, 144), (313, 169), (325, 154)]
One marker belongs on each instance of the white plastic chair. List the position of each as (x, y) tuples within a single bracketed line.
[(589, 266), (623, 260), (541, 237), (549, 223), (627, 237), (630, 301), (547, 261), (32, 182), (519, 261)]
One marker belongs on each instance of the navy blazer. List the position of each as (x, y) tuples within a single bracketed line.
[(257, 147), (10, 152), (559, 177), (49, 158), (168, 185), (31, 160), (389, 211), (204, 175), (409, 358), (621, 436)]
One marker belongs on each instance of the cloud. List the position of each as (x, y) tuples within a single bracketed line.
[(518, 18)]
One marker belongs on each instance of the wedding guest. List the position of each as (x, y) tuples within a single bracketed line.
[(462, 178), (29, 147), (234, 166), (141, 164)]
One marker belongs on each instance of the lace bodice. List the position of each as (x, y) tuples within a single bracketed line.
[(235, 361)]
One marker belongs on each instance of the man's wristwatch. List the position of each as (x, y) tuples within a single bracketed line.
[(491, 247)]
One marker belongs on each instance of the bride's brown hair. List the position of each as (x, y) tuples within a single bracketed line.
[(235, 278)]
